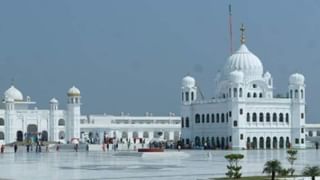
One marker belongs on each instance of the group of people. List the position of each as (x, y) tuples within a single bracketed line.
[(29, 147)]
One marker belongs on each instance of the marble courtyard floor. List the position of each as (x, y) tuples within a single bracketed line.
[(190, 164)]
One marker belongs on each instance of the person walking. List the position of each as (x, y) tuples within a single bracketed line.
[(2, 148), (15, 148)]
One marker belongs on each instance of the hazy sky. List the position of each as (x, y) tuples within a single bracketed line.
[(131, 55)]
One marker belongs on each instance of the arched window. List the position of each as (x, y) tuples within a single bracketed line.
[(187, 96), (248, 95), (235, 92), (182, 122), (61, 122), (261, 117), (192, 96), (240, 92), (260, 95), (203, 118), (1, 135), (208, 118), (281, 117), (187, 122), (287, 117), (268, 117), (222, 118), (301, 91), (274, 118), (1, 122), (124, 134), (227, 118), (212, 118), (217, 118), (254, 117), (310, 134), (235, 123), (254, 95), (145, 134), (229, 92), (248, 117), (296, 92), (197, 118)]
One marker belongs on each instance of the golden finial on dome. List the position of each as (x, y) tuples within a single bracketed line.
[(242, 38)]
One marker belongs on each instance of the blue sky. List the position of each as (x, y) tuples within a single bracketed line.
[(131, 55)]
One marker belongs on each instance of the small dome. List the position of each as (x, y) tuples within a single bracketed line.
[(296, 79), (245, 61), (188, 81), (74, 91), (236, 76), (53, 101), (13, 93), (267, 75)]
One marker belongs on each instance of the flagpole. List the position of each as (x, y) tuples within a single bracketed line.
[(230, 29)]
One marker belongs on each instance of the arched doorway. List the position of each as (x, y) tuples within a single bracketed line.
[(268, 143), (222, 143), (197, 141), (248, 144), (254, 143), (213, 142), (261, 143), (281, 143), (218, 142), (44, 136), (19, 136), (275, 143)]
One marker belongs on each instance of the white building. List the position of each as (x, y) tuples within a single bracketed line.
[(20, 120), (244, 113), (131, 128)]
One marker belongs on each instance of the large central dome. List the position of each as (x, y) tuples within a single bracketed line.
[(245, 61)]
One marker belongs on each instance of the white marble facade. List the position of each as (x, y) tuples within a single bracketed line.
[(243, 112), (21, 120)]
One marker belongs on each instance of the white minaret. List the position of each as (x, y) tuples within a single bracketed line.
[(53, 120), (188, 95), (73, 121), (10, 133), (298, 116)]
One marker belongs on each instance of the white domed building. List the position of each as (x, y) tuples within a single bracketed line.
[(21, 120), (244, 113)]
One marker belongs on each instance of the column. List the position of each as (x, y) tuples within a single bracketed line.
[(258, 143), (130, 136), (140, 134), (171, 135)]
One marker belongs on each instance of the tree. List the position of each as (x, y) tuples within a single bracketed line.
[(311, 171), (272, 167), (292, 156), (233, 167)]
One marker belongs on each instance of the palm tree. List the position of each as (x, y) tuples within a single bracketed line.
[(312, 171), (272, 167)]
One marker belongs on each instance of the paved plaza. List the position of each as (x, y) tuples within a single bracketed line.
[(187, 164)]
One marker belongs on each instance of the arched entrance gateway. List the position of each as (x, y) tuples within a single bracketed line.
[(32, 132)]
